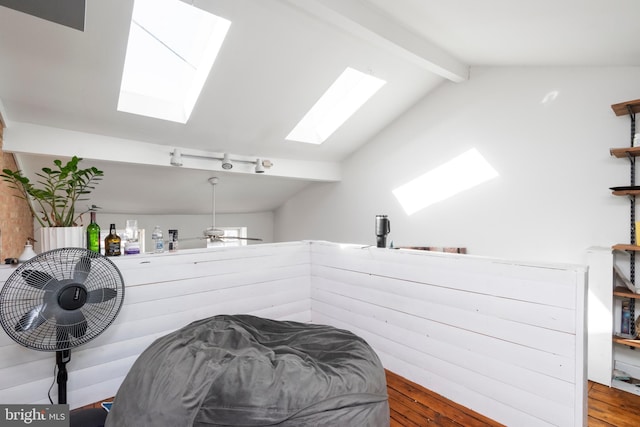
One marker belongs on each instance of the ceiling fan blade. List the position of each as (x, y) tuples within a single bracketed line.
[(82, 269), (39, 279), (73, 322), (32, 319), (184, 239), (100, 295), (242, 238)]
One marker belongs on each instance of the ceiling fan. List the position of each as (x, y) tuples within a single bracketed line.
[(216, 236)]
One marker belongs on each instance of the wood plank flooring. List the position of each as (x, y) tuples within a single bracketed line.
[(412, 405), (612, 407)]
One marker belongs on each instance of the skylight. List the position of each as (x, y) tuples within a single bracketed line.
[(345, 96), (172, 47), (459, 174)]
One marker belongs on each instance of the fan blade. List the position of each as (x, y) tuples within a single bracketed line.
[(38, 279), (32, 319), (80, 329), (101, 295), (73, 322), (82, 269)]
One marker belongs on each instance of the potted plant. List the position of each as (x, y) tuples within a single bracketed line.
[(53, 201)]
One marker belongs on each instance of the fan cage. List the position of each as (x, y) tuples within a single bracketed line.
[(18, 297)]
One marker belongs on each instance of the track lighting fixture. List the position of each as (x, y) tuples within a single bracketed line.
[(176, 158), (227, 162), (259, 167)]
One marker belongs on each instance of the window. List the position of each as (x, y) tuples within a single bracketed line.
[(345, 96), (172, 47)]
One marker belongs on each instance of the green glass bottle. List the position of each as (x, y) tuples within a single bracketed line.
[(93, 234)]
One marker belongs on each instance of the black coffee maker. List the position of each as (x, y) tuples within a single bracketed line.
[(383, 227)]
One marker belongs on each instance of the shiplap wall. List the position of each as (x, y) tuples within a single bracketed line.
[(163, 293), (503, 338)]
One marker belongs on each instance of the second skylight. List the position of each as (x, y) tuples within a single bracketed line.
[(345, 96)]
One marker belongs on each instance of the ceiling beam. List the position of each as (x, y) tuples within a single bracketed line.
[(372, 25), (26, 138)]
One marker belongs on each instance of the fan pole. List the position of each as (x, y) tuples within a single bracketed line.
[(62, 358)]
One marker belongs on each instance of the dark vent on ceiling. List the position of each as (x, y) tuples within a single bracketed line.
[(66, 12)]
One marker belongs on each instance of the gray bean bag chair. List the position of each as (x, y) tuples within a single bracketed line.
[(249, 371)]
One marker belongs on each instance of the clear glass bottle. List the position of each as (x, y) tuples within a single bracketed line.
[(112, 242), (158, 240), (93, 234), (131, 243)]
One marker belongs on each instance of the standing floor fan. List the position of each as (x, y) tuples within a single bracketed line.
[(59, 300)]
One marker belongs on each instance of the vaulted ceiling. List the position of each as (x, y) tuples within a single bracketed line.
[(278, 58)]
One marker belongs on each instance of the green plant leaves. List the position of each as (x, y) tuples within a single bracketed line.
[(53, 203)]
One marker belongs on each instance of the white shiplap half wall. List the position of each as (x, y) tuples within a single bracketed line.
[(499, 337), (506, 339), (163, 293)]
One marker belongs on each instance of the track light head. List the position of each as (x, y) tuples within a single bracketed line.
[(259, 167), (176, 158), (226, 162)]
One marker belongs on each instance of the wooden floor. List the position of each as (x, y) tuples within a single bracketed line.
[(412, 405), (612, 407)]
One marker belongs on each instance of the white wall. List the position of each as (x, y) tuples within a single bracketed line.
[(551, 201)]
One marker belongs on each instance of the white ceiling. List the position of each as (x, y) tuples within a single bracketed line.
[(525, 32), (278, 58)]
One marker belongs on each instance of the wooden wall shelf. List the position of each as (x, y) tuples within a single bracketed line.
[(625, 247), (625, 293), (624, 152), (627, 192), (622, 109), (626, 341)]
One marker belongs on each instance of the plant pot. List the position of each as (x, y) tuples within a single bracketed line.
[(61, 237)]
